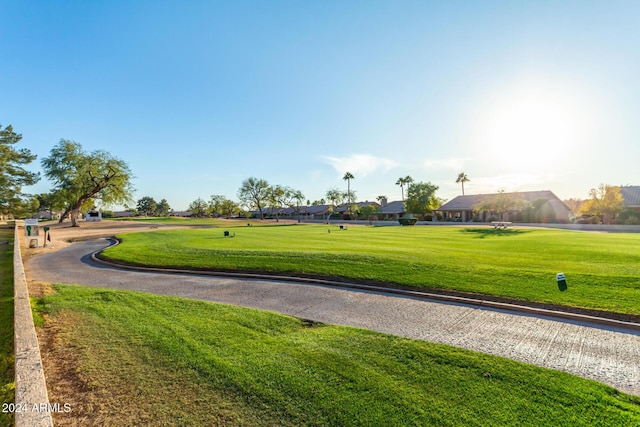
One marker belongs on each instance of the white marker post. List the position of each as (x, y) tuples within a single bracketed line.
[(31, 233)]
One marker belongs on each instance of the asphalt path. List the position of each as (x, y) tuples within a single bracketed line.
[(607, 354)]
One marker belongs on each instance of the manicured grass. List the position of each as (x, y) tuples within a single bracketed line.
[(170, 361), (602, 270), (173, 220), (7, 377)]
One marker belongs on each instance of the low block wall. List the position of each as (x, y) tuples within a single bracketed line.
[(32, 400)]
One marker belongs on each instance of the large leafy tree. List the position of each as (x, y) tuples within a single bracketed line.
[(199, 208), (13, 175), (421, 198), (221, 206), (605, 201), (147, 206), (81, 178), (163, 208), (254, 192)]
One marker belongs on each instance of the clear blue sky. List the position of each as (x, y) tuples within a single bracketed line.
[(198, 95)]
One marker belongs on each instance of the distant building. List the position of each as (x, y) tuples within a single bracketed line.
[(392, 210), (124, 214), (93, 216), (550, 208), (631, 196)]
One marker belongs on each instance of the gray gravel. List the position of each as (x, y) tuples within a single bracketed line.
[(609, 355)]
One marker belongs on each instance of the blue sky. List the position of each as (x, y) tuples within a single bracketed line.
[(197, 96)]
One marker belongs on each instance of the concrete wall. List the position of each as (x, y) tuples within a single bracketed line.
[(31, 399)]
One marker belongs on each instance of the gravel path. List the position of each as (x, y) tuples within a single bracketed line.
[(608, 355)]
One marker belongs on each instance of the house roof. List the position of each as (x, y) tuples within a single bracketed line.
[(466, 203), (631, 196), (317, 209), (396, 207)]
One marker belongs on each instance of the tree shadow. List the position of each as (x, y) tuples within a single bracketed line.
[(482, 233)]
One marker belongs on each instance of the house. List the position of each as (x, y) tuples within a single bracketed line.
[(543, 206), (393, 210), (317, 211), (631, 196)]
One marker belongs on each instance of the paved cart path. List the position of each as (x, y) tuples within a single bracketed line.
[(605, 354)]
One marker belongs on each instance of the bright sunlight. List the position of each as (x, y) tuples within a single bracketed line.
[(531, 129)]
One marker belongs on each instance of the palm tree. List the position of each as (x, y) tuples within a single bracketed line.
[(402, 182), (348, 177), (462, 178)]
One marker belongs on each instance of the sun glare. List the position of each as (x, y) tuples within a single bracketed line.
[(530, 130)]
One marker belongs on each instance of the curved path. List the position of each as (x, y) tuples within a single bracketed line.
[(606, 354)]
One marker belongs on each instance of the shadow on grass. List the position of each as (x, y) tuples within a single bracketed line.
[(482, 233)]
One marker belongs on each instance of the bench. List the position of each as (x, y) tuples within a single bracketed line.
[(500, 224)]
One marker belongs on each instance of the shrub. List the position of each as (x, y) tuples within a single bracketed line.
[(632, 220), (407, 221)]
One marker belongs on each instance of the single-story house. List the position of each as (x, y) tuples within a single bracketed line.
[(392, 210), (631, 196), (549, 208)]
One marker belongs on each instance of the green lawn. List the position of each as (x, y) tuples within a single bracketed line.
[(168, 361), (7, 378), (602, 270)]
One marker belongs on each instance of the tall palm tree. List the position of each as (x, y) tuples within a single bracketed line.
[(462, 178), (348, 177), (402, 182)]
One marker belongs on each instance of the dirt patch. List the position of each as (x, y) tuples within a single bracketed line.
[(62, 235), (60, 362)]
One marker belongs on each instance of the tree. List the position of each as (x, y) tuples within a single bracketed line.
[(421, 198), (348, 176), (198, 208), (381, 198), (299, 198), (350, 196), (367, 211), (147, 206), (407, 180), (574, 204), (277, 198), (81, 178), (163, 208), (253, 193), (13, 175), (45, 203), (462, 178), (221, 206), (606, 201), (215, 204), (335, 196), (229, 208), (500, 203)]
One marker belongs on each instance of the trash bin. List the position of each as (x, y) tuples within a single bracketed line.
[(226, 234)]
